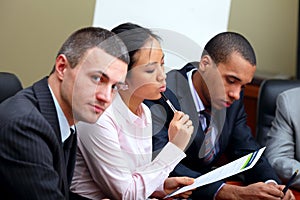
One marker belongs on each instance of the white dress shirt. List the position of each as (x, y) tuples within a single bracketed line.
[(115, 156), (62, 120)]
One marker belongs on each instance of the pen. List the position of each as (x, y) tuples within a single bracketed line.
[(168, 102), (289, 183)]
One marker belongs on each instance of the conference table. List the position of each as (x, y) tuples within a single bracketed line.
[(296, 193)]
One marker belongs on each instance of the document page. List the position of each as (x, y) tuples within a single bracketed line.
[(242, 164)]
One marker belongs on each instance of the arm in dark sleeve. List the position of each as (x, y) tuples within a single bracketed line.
[(242, 142), (161, 117), (27, 161)]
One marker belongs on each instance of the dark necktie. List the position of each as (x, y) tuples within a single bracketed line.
[(209, 147), (207, 114), (68, 144)]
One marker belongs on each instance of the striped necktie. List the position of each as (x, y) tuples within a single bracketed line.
[(207, 114), (209, 146)]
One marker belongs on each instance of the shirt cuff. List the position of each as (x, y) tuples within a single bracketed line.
[(271, 181), (160, 192), (170, 154), (218, 190)]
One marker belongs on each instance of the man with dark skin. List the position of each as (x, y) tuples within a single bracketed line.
[(215, 86)]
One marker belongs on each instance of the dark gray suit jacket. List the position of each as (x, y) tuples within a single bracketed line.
[(32, 162), (235, 140)]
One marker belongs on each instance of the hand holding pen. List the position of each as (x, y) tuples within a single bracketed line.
[(290, 181), (180, 128)]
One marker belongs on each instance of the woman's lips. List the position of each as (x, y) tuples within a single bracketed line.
[(162, 88)]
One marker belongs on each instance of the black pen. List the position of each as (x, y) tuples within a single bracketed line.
[(289, 183), (168, 102)]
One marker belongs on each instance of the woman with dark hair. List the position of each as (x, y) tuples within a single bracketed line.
[(114, 159)]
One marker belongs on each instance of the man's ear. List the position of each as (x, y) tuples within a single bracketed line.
[(204, 63), (61, 64)]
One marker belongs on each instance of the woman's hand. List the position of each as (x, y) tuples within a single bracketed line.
[(173, 183), (180, 130)]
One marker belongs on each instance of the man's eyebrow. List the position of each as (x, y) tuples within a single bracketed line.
[(103, 75), (107, 77), (235, 77)]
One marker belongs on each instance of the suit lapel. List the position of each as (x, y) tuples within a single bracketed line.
[(48, 110), (46, 104), (178, 83)]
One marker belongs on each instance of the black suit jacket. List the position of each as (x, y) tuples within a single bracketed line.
[(235, 140), (32, 163)]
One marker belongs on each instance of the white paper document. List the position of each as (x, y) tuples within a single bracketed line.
[(242, 164)]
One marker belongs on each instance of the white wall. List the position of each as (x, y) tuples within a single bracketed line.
[(271, 26), (184, 26)]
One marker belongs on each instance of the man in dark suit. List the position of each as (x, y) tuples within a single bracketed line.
[(37, 148), (211, 93)]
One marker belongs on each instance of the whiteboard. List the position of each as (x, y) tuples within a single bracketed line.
[(184, 26)]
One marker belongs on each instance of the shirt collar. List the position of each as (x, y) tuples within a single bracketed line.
[(63, 122), (198, 103), (122, 108)]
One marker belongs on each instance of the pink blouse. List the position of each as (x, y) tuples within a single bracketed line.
[(114, 157)]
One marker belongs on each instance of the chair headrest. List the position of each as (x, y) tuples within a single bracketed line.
[(269, 90), (9, 85)]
